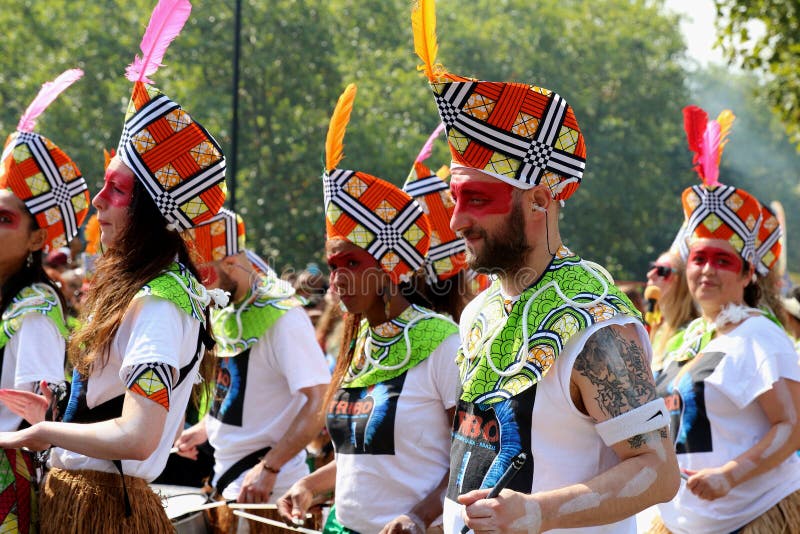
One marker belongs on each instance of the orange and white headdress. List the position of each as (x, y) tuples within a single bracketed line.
[(714, 210), (221, 236), (179, 163), (42, 175), (369, 212), (447, 253), (768, 241), (521, 134)]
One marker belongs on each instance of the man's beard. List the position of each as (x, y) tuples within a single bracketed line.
[(506, 251)]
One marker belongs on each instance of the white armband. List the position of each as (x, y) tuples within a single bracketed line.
[(641, 420)]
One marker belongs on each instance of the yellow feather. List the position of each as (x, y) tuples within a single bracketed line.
[(423, 22), (725, 120), (334, 142)]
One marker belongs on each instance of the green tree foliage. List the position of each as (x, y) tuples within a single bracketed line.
[(616, 61), (764, 36)]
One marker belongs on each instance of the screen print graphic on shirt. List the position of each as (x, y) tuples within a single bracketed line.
[(686, 403), (486, 438), (228, 405), (362, 420)]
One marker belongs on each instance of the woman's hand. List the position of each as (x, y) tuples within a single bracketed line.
[(295, 503), (30, 406), (23, 438), (189, 439), (709, 484)]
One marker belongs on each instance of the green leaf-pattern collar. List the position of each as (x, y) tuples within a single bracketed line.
[(238, 326), (177, 285), (35, 298), (571, 295), (390, 349)]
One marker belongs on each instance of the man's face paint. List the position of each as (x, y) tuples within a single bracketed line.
[(718, 258), (477, 198)]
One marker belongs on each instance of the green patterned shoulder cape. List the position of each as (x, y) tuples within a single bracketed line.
[(511, 346), (177, 285), (390, 349), (238, 326), (35, 298)]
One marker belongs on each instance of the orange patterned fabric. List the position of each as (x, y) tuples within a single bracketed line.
[(48, 182), (378, 217), (768, 241), (447, 253), (222, 235), (178, 161), (522, 134), (723, 212)]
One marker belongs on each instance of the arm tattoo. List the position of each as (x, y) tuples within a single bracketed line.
[(618, 370), (640, 440)]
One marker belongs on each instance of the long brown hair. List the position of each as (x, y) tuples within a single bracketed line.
[(677, 307), (145, 249), (347, 349)]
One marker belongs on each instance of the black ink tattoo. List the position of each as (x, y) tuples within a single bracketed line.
[(618, 370)]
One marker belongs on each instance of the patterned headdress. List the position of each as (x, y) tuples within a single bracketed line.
[(521, 134), (217, 238), (768, 241), (447, 253), (369, 212), (42, 175), (714, 210), (180, 165)]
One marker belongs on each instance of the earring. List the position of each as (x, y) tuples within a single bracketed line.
[(537, 207), (29, 259)]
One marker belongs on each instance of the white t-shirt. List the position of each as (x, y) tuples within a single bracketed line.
[(153, 330), (35, 353), (749, 360), (566, 447), (373, 489), (258, 397)]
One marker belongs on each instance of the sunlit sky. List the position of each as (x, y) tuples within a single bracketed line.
[(697, 25)]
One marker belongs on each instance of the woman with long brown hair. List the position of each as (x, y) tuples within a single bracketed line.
[(145, 320), (392, 395)]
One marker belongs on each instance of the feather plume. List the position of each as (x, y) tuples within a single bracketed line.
[(165, 25), (92, 233), (725, 120), (334, 142), (423, 23), (425, 153), (47, 94), (107, 156), (695, 121), (709, 156)]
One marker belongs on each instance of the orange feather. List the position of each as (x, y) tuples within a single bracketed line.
[(423, 23), (725, 120), (334, 142), (92, 233)]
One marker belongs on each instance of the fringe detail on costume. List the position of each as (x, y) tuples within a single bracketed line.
[(87, 502), (657, 527), (784, 517)]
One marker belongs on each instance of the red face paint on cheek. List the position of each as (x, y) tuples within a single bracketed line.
[(717, 257), (9, 219), (118, 189), (482, 198), (353, 260)]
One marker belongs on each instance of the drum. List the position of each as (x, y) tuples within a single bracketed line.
[(226, 522), (180, 504)]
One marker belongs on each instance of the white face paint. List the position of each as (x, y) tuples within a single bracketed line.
[(640, 483), (531, 521), (783, 432), (581, 502)]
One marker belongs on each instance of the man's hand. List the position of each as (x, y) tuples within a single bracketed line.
[(405, 524), (257, 485), (709, 484), (189, 439), (295, 503), (510, 512)]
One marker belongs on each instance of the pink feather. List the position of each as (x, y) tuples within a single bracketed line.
[(709, 160), (425, 153), (47, 94), (166, 23)]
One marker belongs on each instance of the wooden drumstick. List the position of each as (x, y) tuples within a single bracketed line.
[(253, 506), (274, 523)]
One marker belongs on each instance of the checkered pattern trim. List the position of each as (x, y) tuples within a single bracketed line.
[(48, 182), (723, 212), (522, 134), (178, 161), (378, 217), (153, 380), (222, 235), (768, 242), (447, 253)]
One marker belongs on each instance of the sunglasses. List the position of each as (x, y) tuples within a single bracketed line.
[(664, 271)]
